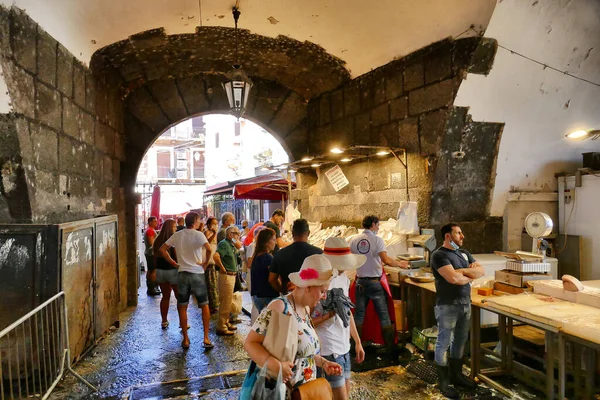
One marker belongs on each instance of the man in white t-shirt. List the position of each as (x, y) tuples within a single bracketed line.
[(188, 245), (368, 285), (334, 336)]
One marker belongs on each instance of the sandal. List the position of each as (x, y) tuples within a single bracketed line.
[(208, 345), (165, 325), (185, 346)]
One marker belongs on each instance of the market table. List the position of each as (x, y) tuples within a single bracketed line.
[(511, 308)]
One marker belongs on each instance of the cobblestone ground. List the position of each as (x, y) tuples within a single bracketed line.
[(133, 359)]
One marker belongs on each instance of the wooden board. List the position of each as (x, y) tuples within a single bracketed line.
[(530, 334)]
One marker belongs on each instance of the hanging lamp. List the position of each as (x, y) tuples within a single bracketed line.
[(238, 84)]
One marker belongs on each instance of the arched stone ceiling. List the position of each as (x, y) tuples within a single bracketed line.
[(365, 34)]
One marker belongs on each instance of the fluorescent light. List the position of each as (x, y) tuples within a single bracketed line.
[(306, 159), (336, 150), (382, 153), (346, 159), (315, 165), (577, 134)]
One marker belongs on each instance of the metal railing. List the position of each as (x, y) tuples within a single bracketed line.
[(34, 352)]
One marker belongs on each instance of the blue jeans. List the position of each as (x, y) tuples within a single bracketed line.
[(453, 331), (334, 380), (369, 289), (188, 284), (261, 302)]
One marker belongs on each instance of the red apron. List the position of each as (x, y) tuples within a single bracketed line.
[(371, 330)]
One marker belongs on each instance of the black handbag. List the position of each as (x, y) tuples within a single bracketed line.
[(238, 287)]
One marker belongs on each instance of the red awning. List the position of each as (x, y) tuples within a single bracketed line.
[(265, 187)]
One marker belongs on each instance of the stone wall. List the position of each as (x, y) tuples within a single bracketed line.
[(408, 103), (63, 143)]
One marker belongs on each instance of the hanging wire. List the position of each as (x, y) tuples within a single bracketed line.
[(236, 16)]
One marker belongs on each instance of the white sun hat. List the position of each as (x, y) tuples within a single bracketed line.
[(315, 271), (337, 251)]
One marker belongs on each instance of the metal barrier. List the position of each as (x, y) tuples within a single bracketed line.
[(34, 352)]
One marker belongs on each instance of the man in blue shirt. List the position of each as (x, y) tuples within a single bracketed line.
[(454, 270)]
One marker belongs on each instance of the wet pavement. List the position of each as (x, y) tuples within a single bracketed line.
[(139, 360)]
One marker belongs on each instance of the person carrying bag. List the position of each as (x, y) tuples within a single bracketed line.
[(273, 346)]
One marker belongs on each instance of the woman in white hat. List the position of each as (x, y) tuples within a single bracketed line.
[(312, 283), (334, 335)]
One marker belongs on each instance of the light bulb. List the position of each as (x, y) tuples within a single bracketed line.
[(346, 159), (315, 165), (306, 159), (336, 150), (577, 134), (382, 153)]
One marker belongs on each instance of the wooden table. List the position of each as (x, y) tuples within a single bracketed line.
[(552, 328)]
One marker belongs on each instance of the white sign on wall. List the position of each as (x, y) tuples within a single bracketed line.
[(337, 178)]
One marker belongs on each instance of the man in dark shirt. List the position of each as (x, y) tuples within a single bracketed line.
[(290, 259), (454, 270), (274, 223), (180, 224)]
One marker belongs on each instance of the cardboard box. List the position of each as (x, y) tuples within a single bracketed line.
[(519, 279), (399, 310)]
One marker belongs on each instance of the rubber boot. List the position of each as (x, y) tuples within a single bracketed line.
[(444, 382), (456, 376), (389, 336)]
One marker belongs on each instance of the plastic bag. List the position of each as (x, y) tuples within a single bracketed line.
[(264, 390), (236, 303), (408, 219)]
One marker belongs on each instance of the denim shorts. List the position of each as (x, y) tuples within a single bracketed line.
[(191, 284), (167, 276), (337, 381)]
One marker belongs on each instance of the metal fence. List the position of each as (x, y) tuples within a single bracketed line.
[(34, 352)]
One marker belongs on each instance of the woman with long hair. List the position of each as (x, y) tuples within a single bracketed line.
[(261, 290), (211, 273), (166, 274)]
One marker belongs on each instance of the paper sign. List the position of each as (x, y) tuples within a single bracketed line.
[(337, 178)]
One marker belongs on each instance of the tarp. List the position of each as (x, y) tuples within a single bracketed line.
[(265, 187), (155, 203), (175, 203)]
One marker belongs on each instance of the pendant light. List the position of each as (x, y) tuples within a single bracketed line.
[(238, 84)]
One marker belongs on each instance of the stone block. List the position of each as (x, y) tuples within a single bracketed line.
[(289, 115), (116, 170), (362, 128), (379, 91), (21, 88), (90, 92), (313, 113), (398, 108), (119, 143), (342, 132), (23, 31), (169, 99), (46, 182), (107, 169), (47, 48), (193, 92), (25, 145), (101, 101), (71, 118), (79, 84), (5, 38), (380, 115), (45, 147), (394, 84), (433, 126), (389, 135), (431, 97), (217, 98), (337, 105), (324, 110), (351, 100), (68, 154), (64, 76), (367, 94), (297, 142), (48, 106), (141, 104), (86, 132), (483, 57), (114, 106), (438, 64), (409, 134), (463, 53), (414, 76)]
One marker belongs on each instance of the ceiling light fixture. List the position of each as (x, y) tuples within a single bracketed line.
[(581, 134), (346, 159), (306, 159), (382, 153), (238, 84), (336, 150), (315, 165)]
